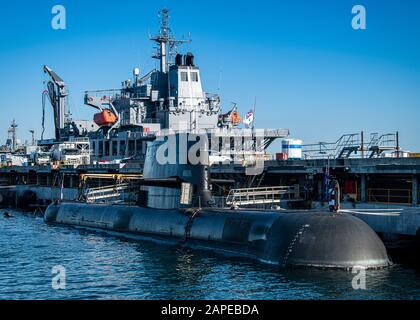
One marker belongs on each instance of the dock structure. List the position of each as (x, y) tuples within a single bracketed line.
[(370, 187), (67, 183), (383, 192), (378, 180)]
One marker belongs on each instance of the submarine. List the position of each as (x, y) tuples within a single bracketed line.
[(175, 206)]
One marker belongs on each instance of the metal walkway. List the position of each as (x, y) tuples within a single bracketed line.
[(353, 145), (107, 193), (263, 195)]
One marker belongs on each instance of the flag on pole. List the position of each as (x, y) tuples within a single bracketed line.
[(249, 119)]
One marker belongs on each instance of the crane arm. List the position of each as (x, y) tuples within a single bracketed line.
[(57, 93), (56, 78)]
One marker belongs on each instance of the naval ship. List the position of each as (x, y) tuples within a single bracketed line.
[(171, 98), (174, 202)]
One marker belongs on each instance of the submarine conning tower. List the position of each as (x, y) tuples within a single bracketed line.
[(182, 159)]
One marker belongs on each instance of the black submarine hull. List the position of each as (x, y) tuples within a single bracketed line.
[(285, 238)]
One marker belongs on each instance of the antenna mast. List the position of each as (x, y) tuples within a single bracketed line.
[(12, 131), (166, 42)]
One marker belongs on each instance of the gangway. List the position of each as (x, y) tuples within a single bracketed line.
[(343, 147), (353, 145), (107, 193), (122, 186), (379, 144), (262, 195)]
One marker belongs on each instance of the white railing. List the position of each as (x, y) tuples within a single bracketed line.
[(106, 193), (262, 195)]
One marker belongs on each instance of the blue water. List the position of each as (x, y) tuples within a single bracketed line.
[(105, 267)]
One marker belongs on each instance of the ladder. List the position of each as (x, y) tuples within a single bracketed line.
[(349, 145)]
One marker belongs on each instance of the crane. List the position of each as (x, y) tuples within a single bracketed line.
[(57, 92)]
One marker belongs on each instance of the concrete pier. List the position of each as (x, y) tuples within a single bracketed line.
[(395, 220)]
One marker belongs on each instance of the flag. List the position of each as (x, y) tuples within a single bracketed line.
[(249, 119)]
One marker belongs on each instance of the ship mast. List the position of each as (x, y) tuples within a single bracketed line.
[(166, 42)]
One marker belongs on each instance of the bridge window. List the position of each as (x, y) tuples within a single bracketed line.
[(184, 76), (194, 76)]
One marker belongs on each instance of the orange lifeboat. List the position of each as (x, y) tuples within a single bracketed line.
[(236, 118), (105, 118)]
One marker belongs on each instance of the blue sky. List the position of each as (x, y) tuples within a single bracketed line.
[(310, 71)]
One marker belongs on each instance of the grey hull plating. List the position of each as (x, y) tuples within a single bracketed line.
[(310, 239)]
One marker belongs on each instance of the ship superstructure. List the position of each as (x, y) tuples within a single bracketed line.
[(169, 98), (126, 119)]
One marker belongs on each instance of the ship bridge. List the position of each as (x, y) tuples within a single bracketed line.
[(190, 108)]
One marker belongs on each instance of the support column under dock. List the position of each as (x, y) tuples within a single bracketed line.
[(363, 188), (414, 190), (320, 190)]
